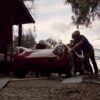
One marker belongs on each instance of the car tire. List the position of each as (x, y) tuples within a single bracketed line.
[(20, 72)]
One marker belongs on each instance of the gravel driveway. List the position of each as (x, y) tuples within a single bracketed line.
[(49, 89)]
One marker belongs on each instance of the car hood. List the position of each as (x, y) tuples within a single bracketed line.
[(42, 53), (38, 53)]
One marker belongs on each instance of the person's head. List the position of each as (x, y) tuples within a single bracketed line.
[(41, 45), (75, 35), (42, 42)]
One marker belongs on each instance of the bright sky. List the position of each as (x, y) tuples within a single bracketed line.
[(53, 20)]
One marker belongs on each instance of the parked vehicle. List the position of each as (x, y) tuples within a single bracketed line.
[(56, 60)]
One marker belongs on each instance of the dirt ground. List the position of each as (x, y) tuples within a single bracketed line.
[(49, 89)]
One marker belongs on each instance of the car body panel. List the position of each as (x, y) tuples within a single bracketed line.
[(48, 60)]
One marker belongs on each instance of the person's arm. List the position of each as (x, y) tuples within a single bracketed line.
[(77, 45)]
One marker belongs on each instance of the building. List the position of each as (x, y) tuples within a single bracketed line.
[(12, 12)]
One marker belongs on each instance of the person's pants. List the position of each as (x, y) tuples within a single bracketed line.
[(90, 55)]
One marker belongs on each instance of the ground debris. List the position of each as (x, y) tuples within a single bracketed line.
[(49, 89), (71, 91)]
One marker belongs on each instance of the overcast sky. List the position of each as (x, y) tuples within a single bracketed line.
[(53, 20)]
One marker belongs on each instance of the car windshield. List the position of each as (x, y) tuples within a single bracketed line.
[(59, 49)]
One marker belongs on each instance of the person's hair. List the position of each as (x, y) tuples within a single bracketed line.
[(41, 42), (75, 33)]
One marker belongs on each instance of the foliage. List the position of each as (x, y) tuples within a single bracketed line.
[(28, 40), (30, 4), (51, 42), (85, 11)]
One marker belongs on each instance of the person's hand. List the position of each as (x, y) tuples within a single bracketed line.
[(81, 57)]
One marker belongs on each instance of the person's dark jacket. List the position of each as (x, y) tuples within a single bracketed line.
[(83, 43)]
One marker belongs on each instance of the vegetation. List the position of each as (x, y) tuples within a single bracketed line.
[(85, 11), (28, 39), (51, 42)]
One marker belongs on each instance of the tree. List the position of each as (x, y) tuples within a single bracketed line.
[(85, 11), (51, 42), (28, 39), (30, 4)]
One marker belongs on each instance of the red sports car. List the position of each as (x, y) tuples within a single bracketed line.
[(56, 60)]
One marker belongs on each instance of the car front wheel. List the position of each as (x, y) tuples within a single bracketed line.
[(20, 72)]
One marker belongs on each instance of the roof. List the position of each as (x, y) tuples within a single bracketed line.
[(17, 10)]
